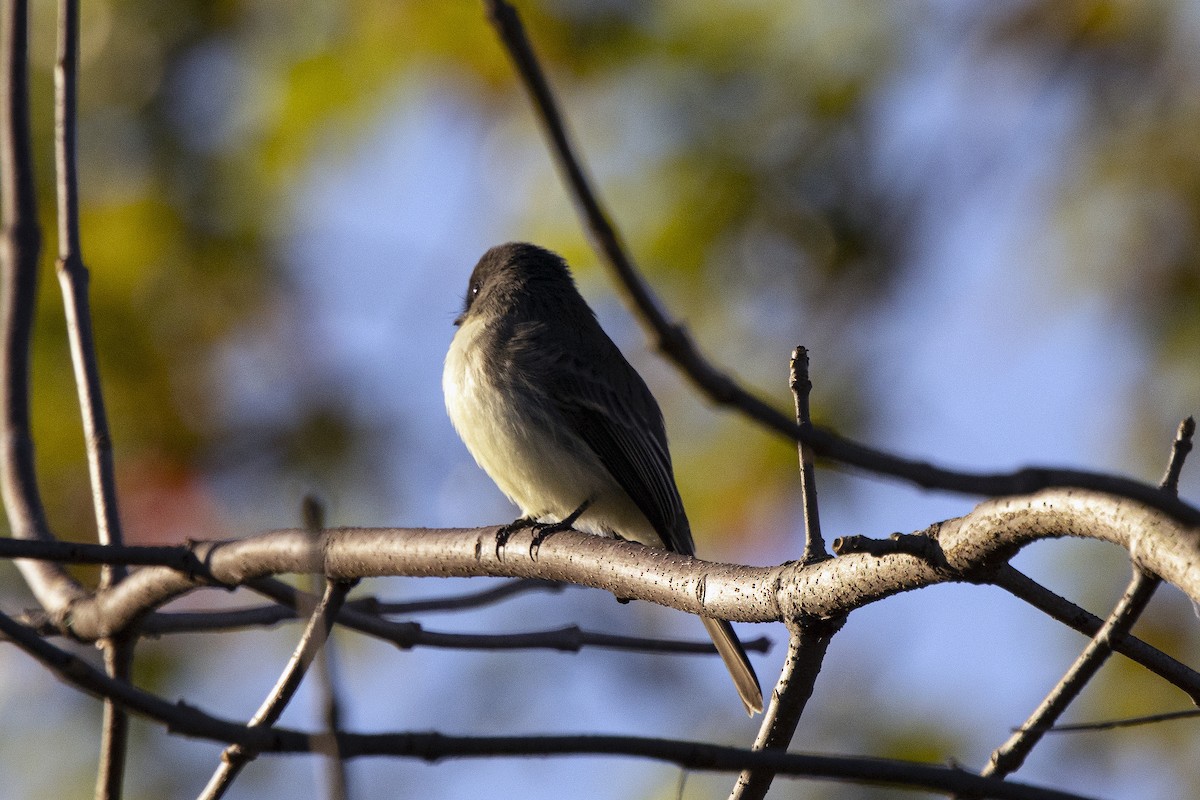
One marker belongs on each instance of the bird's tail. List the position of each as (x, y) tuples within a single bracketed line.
[(734, 656)]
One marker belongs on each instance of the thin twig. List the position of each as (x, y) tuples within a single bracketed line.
[(184, 719), (337, 782), (567, 639), (180, 558), (807, 646), (801, 386), (1127, 722), (1179, 453), (237, 756), (673, 341), (325, 742), (1012, 754), (19, 248), (73, 278), (809, 639), (1058, 607), (1009, 757), (461, 602)]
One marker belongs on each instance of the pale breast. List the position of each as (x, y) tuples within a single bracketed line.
[(519, 440)]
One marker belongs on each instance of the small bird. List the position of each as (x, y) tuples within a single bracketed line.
[(567, 429)]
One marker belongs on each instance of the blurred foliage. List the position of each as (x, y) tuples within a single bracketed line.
[(753, 195), (1130, 204)]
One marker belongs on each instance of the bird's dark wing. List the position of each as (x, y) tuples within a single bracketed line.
[(610, 407)]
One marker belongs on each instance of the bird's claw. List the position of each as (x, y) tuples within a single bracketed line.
[(543, 531), (505, 533)]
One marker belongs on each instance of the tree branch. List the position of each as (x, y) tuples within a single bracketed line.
[(407, 635), (330, 709), (19, 249), (73, 278), (467, 600), (801, 386), (809, 638), (672, 340), (1127, 722), (1025, 588), (807, 646), (187, 720), (1009, 757), (1012, 754), (974, 547), (236, 756), (181, 559)]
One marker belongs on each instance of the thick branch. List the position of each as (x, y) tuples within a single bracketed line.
[(971, 545)]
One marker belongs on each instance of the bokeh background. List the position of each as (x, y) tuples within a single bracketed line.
[(982, 218)]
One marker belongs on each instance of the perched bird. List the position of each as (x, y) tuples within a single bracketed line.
[(561, 422)]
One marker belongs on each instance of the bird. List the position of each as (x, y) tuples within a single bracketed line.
[(552, 411)]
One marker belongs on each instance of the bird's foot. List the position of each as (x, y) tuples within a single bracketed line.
[(505, 533), (544, 530)]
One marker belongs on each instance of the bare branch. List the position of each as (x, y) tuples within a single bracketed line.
[(468, 600), (569, 639), (673, 341), (806, 653), (972, 545), (1009, 757), (181, 559), (1179, 453), (73, 278), (189, 721), (814, 545), (1087, 623), (114, 725), (19, 249), (408, 635), (325, 742), (1128, 722), (809, 638), (1021, 586), (237, 756)]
